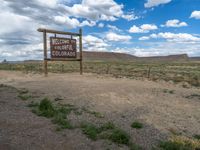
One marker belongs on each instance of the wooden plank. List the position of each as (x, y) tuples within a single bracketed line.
[(57, 32), (81, 53), (61, 59), (45, 53)]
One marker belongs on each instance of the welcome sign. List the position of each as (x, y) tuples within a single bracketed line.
[(62, 47)]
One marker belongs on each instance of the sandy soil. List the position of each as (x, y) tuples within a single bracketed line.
[(120, 100)]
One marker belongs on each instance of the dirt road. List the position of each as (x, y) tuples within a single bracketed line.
[(162, 108)]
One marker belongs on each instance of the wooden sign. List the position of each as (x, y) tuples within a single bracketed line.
[(62, 47)]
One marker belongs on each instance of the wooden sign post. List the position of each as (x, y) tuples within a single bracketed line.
[(62, 49)]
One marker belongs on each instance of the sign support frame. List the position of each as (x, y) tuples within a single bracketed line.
[(80, 59)]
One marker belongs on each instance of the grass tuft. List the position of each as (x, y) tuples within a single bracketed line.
[(46, 108), (96, 114), (193, 96), (23, 91), (137, 125), (58, 113), (168, 91), (60, 119), (119, 136), (107, 126), (24, 97), (33, 104), (90, 130), (197, 136), (133, 146), (180, 143)]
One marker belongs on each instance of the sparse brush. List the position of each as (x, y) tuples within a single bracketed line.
[(33, 104), (24, 97), (90, 130), (23, 91), (96, 114), (46, 108), (180, 143), (168, 91), (107, 126), (60, 119), (193, 96), (137, 125), (119, 136), (197, 136), (134, 146)]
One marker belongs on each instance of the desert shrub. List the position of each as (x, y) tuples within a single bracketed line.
[(90, 130), (119, 136), (180, 143), (46, 108), (137, 125), (60, 119)]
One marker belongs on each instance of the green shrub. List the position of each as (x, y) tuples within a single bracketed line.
[(197, 136), (107, 126), (119, 136), (24, 97), (137, 125), (46, 108), (180, 143), (60, 119), (33, 104), (90, 130)]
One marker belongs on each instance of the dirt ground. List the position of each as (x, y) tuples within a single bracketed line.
[(119, 100)]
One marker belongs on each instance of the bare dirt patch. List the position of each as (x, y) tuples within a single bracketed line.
[(121, 101)]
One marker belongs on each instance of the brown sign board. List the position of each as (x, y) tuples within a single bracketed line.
[(63, 47)]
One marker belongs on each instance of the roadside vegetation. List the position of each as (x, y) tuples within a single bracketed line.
[(193, 96), (59, 115), (184, 73), (180, 143), (137, 125)]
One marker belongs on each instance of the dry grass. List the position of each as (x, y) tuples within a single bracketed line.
[(184, 72)]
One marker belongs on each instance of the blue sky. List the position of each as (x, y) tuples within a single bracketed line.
[(137, 27)]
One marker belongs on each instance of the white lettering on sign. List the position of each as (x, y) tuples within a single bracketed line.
[(62, 47)]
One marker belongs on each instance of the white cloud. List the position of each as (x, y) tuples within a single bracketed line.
[(46, 3), (101, 25), (175, 23), (130, 17), (176, 37), (144, 38), (166, 48), (113, 27), (145, 28), (87, 23), (11, 22), (111, 36), (153, 3), (96, 10), (195, 14), (148, 27), (161, 49), (71, 23), (92, 43)]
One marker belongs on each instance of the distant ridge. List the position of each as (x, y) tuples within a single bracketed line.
[(178, 57), (112, 56), (107, 56)]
